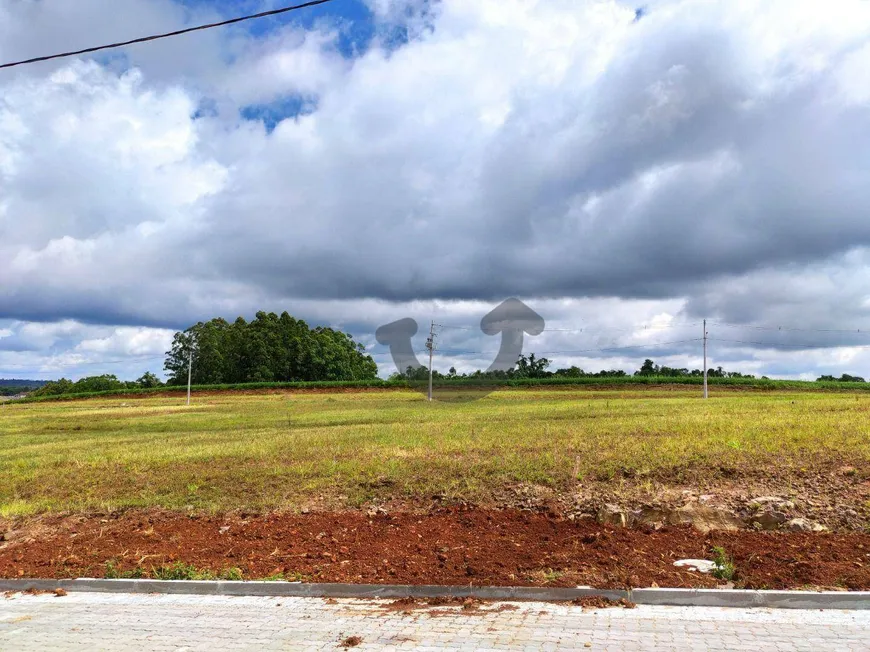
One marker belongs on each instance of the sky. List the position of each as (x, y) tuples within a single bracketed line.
[(626, 169)]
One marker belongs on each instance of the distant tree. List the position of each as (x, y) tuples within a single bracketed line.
[(845, 378), (102, 383), (149, 380), (54, 388), (531, 367), (611, 373), (718, 372), (570, 372)]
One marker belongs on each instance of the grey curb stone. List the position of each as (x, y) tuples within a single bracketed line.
[(665, 597), (298, 589), (749, 599)]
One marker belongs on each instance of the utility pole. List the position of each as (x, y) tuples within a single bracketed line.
[(705, 358), (189, 373), (430, 344)]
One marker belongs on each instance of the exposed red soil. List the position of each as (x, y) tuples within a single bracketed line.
[(350, 641), (468, 605), (448, 546), (600, 602)]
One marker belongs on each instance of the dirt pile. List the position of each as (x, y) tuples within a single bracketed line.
[(601, 602), (831, 496), (447, 546)]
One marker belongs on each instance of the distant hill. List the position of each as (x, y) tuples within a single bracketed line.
[(14, 386), (15, 382)]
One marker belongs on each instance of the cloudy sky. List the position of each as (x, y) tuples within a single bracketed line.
[(628, 171)]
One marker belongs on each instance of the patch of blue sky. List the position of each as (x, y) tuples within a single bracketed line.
[(285, 108), (352, 19)]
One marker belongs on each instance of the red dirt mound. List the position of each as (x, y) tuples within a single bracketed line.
[(449, 546)]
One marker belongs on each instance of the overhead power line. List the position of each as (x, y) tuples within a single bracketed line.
[(457, 352), (643, 327), (155, 37), (132, 360), (621, 348), (852, 331), (778, 345), (653, 327)]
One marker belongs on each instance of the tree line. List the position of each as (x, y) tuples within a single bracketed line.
[(532, 366), (102, 383)]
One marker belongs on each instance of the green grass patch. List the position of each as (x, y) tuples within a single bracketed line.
[(251, 451), (723, 565)]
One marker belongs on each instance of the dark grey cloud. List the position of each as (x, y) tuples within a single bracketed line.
[(706, 157)]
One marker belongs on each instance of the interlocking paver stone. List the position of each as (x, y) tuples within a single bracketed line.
[(96, 621)]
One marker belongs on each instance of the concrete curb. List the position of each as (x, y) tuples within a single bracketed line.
[(671, 597), (298, 589), (751, 599)]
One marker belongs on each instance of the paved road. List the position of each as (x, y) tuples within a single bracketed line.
[(82, 621)]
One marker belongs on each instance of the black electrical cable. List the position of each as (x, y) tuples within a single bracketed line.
[(145, 39)]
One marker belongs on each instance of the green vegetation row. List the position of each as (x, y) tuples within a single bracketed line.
[(465, 382)]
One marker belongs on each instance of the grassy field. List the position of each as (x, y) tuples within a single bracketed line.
[(231, 451)]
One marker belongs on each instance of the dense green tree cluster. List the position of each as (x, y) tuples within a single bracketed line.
[(270, 348)]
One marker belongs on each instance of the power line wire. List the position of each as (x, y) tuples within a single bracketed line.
[(81, 364), (588, 330), (459, 352), (144, 39), (775, 345), (852, 331), (620, 348), (787, 329), (611, 348)]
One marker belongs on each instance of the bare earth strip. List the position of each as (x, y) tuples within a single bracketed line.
[(316, 485), (449, 547)]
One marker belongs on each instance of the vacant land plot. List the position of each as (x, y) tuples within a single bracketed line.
[(565, 447), (520, 487)]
